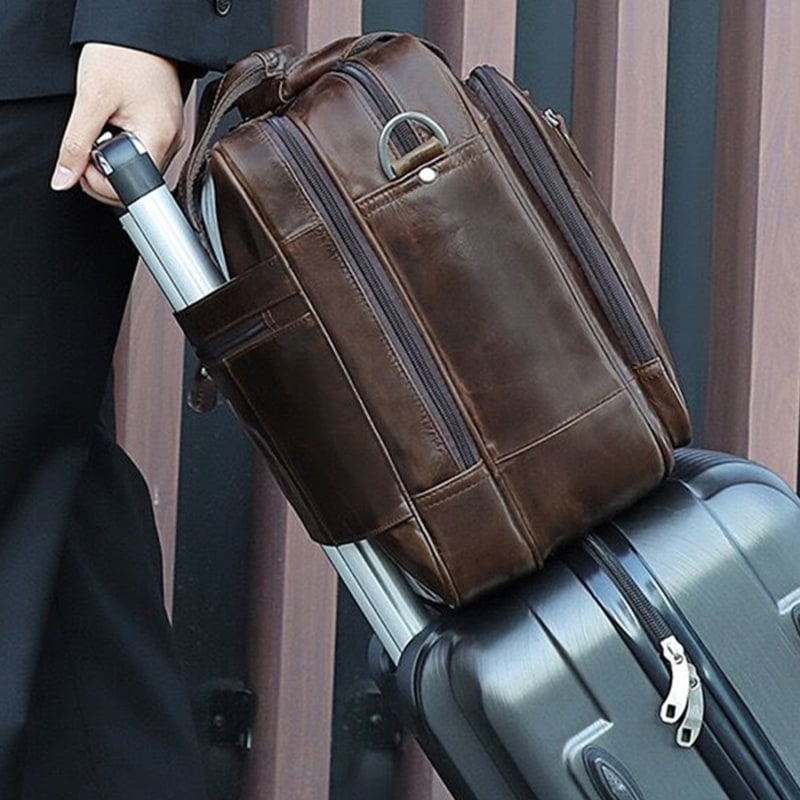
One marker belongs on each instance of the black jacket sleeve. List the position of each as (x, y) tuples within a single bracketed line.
[(40, 39), (208, 34)]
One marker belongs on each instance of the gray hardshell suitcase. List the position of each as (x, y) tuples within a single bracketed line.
[(554, 688), (659, 658)]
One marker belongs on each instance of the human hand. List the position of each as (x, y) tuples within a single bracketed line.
[(130, 89)]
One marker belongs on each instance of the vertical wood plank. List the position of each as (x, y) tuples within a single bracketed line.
[(754, 358), (734, 237), (619, 116), (290, 653), (309, 24), (474, 32), (594, 102), (293, 606), (148, 390)]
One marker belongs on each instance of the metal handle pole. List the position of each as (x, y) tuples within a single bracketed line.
[(169, 247)]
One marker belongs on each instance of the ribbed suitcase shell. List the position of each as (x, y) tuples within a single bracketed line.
[(535, 694)]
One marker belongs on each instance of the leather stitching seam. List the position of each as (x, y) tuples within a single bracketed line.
[(565, 425)]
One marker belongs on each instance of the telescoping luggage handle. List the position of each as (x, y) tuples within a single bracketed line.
[(185, 273), (154, 221)]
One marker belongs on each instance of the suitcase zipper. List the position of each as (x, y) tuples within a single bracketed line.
[(540, 168), (387, 107), (742, 763), (684, 700), (722, 695), (369, 274)]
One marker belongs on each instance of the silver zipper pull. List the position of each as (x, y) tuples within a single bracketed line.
[(692, 723), (673, 708), (556, 121), (552, 118)]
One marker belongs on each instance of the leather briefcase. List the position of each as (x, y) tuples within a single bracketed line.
[(433, 330)]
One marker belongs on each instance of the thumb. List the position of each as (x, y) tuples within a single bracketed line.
[(84, 126)]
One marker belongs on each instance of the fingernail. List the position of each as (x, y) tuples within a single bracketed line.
[(62, 178)]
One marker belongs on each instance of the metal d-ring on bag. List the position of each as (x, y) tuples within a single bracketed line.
[(384, 156)]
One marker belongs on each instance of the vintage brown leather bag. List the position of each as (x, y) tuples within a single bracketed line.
[(434, 331)]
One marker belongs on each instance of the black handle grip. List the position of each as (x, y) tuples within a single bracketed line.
[(123, 159)]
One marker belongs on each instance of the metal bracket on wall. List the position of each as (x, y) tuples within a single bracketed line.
[(231, 715), (371, 723)]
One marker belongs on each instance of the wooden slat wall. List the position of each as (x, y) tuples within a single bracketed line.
[(620, 96), (754, 367), (309, 24), (291, 653), (474, 32), (619, 107), (148, 372)]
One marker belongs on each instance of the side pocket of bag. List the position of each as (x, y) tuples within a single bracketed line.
[(264, 347)]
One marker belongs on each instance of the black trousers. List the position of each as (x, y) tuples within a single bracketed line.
[(92, 705)]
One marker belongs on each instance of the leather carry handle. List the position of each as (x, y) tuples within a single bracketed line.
[(256, 85), (264, 68)]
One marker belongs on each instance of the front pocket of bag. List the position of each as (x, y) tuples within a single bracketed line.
[(484, 271), (286, 383)]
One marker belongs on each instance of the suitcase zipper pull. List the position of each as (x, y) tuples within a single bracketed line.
[(684, 701), (685, 696), (692, 723), (677, 699)]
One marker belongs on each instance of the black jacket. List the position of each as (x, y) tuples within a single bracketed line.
[(40, 39)]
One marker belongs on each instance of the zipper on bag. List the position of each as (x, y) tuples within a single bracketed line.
[(403, 135), (684, 703), (541, 170), (556, 121), (232, 339), (369, 274)]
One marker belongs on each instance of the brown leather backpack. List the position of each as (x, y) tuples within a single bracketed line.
[(433, 329)]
